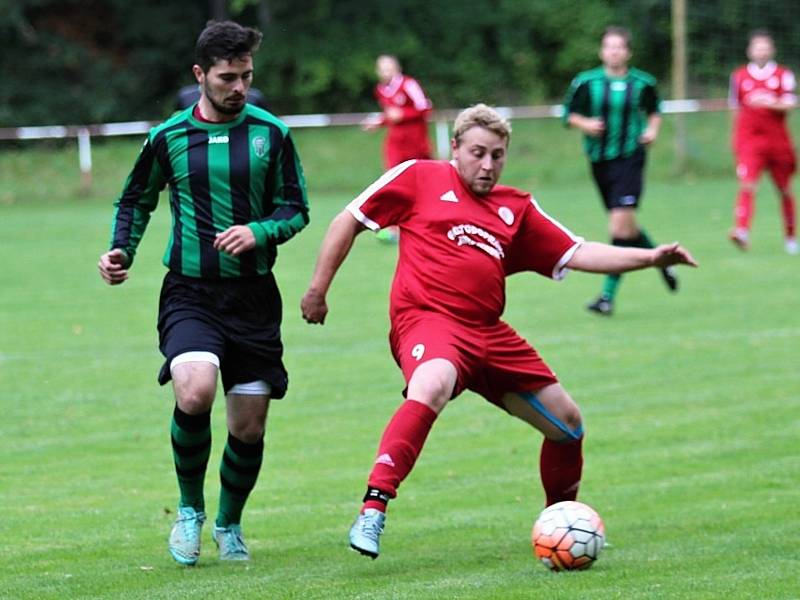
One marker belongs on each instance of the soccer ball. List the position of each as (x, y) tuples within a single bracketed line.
[(568, 536)]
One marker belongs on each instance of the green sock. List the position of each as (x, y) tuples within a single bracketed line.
[(611, 282), (191, 445), (238, 472), (610, 285)]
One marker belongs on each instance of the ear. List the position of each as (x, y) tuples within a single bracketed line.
[(198, 73), (453, 145)]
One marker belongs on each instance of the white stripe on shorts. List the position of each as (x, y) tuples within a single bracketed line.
[(208, 357), (254, 388)]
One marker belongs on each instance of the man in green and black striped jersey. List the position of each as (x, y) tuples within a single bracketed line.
[(236, 191), (618, 110)]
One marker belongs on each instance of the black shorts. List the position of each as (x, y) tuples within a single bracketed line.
[(239, 320), (620, 180)]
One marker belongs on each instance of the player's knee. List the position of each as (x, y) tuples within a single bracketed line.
[(572, 419), (195, 399), (249, 433), (431, 393), (432, 384)]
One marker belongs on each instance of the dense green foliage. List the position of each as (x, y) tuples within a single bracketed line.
[(71, 61), (690, 403)]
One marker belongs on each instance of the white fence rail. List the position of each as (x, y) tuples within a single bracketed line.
[(441, 118)]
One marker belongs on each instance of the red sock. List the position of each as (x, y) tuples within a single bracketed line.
[(744, 209), (400, 445), (787, 204), (560, 465)]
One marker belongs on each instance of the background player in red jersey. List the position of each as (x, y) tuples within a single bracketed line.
[(762, 93), (405, 115), (462, 234), (405, 111)]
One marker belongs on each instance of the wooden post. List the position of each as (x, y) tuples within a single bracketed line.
[(679, 78)]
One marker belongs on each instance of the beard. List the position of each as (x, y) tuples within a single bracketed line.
[(220, 107)]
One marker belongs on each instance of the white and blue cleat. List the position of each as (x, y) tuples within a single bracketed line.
[(184, 539), (365, 534), (230, 542)]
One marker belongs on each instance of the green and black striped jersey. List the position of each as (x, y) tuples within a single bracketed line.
[(242, 172), (623, 103)]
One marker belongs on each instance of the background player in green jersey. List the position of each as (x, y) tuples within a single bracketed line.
[(617, 109), (236, 192)]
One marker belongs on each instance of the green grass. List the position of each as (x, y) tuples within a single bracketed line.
[(690, 402)]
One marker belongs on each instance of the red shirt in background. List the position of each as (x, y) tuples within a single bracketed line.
[(407, 138)]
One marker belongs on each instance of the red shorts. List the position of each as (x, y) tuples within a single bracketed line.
[(779, 160), (490, 360)]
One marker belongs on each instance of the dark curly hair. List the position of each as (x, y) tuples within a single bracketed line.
[(622, 32), (224, 40)]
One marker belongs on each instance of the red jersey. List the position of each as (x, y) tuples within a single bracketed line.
[(408, 137), (456, 248), (756, 124)]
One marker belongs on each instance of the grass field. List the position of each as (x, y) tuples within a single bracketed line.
[(691, 404)]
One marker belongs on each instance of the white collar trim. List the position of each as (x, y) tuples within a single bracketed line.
[(762, 73)]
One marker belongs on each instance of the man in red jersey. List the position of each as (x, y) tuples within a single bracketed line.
[(405, 110), (462, 235), (761, 94)]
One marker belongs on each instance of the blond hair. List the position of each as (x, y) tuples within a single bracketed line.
[(484, 116)]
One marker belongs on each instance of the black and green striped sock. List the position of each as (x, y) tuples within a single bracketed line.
[(191, 446), (238, 472), (611, 281), (642, 240)]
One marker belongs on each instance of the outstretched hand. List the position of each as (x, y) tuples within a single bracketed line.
[(667, 255), (314, 307)]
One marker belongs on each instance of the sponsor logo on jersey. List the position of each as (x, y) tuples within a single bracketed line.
[(506, 215), (449, 196), (618, 86), (471, 235), (259, 146), (218, 139)]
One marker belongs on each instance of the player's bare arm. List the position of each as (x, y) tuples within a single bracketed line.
[(776, 104), (594, 257), (235, 240), (591, 126), (112, 266), (372, 122), (335, 247), (650, 133)]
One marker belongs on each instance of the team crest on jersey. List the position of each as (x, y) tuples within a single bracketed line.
[(506, 215), (260, 146), (773, 83), (400, 98)]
